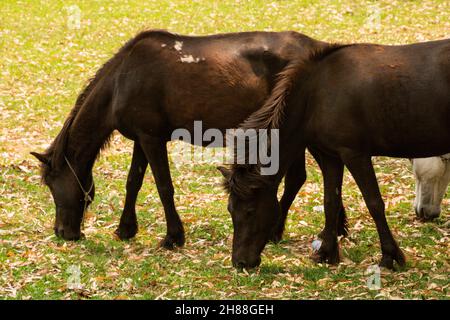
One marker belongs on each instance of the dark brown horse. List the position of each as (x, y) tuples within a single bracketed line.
[(156, 83), (347, 103)]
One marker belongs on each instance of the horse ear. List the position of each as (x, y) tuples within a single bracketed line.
[(41, 157), (225, 172)]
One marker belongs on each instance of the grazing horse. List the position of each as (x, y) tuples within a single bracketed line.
[(156, 83), (348, 103), (432, 178)]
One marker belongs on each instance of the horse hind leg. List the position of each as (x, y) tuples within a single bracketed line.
[(362, 171), (155, 150), (293, 181), (128, 225)]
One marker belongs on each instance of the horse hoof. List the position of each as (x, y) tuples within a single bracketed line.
[(126, 233), (387, 261), (73, 237), (317, 258), (275, 238), (322, 256), (170, 242)]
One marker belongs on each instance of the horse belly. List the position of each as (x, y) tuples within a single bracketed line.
[(384, 117), (406, 103), (219, 97), (410, 120)]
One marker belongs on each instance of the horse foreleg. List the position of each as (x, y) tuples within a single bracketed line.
[(332, 171), (156, 152), (293, 181), (128, 226), (342, 225), (362, 171)]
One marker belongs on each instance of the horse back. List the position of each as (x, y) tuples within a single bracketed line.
[(168, 81), (384, 100)]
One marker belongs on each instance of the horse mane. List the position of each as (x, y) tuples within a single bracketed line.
[(245, 178), (55, 152), (270, 115)]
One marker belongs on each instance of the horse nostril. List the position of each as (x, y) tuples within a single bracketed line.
[(427, 213), (421, 213), (431, 216), (417, 211)]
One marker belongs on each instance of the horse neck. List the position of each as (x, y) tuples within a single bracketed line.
[(89, 132)]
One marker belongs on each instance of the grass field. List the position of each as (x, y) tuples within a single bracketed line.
[(44, 64)]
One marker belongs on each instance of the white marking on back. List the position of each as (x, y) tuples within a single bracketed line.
[(178, 46), (189, 59)]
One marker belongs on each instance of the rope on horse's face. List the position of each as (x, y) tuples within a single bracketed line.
[(87, 198)]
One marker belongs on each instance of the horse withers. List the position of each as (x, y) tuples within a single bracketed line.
[(349, 103), (432, 178), (156, 83)]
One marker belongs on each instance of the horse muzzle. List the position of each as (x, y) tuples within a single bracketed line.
[(68, 235), (428, 213), (247, 263)]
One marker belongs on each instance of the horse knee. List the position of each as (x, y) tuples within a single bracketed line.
[(166, 191), (331, 202), (133, 185), (375, 207)]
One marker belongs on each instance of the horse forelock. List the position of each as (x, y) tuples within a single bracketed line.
[(244, 180)]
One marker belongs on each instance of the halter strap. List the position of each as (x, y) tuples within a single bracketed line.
[(87, 197)]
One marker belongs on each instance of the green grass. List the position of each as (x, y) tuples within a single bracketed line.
[(44, 66)]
